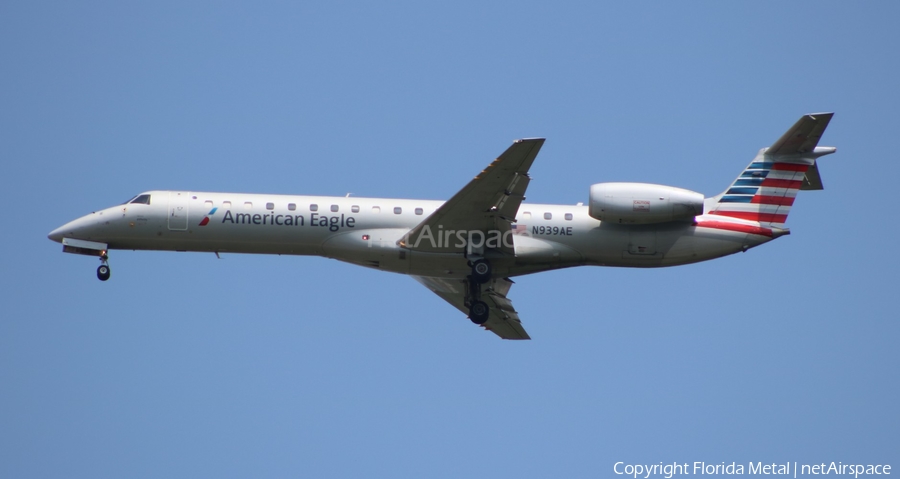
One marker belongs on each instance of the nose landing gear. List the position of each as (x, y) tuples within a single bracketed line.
[(90, 248), (103, 269)]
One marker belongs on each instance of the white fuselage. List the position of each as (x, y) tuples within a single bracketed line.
[(465, 249), (366, 231)]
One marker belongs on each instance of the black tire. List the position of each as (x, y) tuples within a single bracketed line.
[(479, 312), (481, 271), (103, 272)]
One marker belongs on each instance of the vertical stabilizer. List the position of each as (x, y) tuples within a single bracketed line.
[(766, 189)]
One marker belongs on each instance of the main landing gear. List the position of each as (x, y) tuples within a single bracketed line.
[(479, 311), (103, 269), (481, 271)]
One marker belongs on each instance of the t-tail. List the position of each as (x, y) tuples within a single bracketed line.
[(766, 190)]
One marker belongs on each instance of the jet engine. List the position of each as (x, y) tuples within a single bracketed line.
[(643, 203)]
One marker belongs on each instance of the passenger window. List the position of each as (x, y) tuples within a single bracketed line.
[(376, 209), (419, 211), (141, 200), (354, 209), (548, 216), (334, 208), (248, 205), (226, 204), (313, 207), (568, 216), (398, 210), (292, 206), (207, 204), (526, 215), (270, 206)]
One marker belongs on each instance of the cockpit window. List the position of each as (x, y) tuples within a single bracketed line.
[(141, 199)]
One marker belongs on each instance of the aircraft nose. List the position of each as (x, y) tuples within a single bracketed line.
[(56, 235), (80, 229)]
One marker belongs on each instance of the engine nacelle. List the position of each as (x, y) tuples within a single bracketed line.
[(643, 203)]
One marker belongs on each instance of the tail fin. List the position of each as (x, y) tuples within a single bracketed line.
[(766, 189)]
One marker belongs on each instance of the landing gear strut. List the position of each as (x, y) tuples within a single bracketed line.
[(103, 269), (479, 311)]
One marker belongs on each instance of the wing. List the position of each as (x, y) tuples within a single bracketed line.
[(802, 137), (488, 203), (504, 321)]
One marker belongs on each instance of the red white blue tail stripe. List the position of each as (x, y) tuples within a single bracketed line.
[(765, 190)]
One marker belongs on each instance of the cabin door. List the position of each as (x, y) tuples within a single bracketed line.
[(178, 210)]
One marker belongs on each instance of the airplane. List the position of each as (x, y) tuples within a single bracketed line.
[(467, 249)]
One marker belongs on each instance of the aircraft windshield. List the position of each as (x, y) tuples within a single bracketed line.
[(140, 200)]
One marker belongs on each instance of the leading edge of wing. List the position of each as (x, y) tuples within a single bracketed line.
[(503, 321), (489, 201)]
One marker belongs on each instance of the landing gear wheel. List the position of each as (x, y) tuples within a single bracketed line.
[(481, 271), (103, 272), (479, 312)]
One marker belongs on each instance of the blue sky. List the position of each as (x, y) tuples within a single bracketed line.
[(183, 365)]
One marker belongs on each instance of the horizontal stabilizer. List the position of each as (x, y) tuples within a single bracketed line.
[(802, 137)]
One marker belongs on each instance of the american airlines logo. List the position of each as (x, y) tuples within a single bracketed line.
[(206, 218)]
